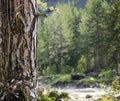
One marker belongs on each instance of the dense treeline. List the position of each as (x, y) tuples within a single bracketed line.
[(74, 40)]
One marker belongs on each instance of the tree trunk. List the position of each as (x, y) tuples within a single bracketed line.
[(118, 62), (18, 69)]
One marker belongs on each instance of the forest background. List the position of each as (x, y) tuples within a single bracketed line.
[(80, 36)]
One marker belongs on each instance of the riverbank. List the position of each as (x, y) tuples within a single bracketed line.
[(83, 94), (65, 80), (85, 89)]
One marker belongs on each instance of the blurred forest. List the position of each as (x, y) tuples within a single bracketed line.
[(78, 47), (80, 38)]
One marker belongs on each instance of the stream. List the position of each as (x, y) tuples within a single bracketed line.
[(83, 94), (77, 93)]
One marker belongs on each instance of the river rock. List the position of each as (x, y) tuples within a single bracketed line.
[(88, 96)]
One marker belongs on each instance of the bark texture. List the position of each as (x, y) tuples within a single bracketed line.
[(18, 69)]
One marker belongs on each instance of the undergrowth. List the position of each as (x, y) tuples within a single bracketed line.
[(114, 93), (53, 96)]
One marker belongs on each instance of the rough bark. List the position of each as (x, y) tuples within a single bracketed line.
[(18, 69)]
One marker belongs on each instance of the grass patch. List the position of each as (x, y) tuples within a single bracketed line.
[(61, 78), (88, 81), (106, 76), (106, 73)]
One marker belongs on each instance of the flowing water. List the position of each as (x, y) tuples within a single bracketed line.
[(80, 93), (83, 94)]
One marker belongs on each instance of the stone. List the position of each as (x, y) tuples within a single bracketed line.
[(88, 96)]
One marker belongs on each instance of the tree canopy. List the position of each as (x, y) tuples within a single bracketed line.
[(72, 36)]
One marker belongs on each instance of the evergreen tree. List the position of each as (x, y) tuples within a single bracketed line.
[(58, 37), (94, 30), (115, 31)]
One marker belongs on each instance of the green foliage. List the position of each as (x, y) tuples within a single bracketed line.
[(41, 4), (111, 94), (66, 69), (57, 95), (49, 70), (94, 30), (106, 99), (78, 40), (81, 64), (56, 36), (116, 86), (45, 98), (115, 28), (61, 78), (64, 95), (53, 96), (88, 81), (91, 80), (106, 74)]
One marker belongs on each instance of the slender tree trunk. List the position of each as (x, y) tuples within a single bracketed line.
[(87, 59), (95, 59), (118, 62), (18, 69)]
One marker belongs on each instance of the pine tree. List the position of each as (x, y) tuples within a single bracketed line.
[(94, 30), (18, 68), (115, 31)]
